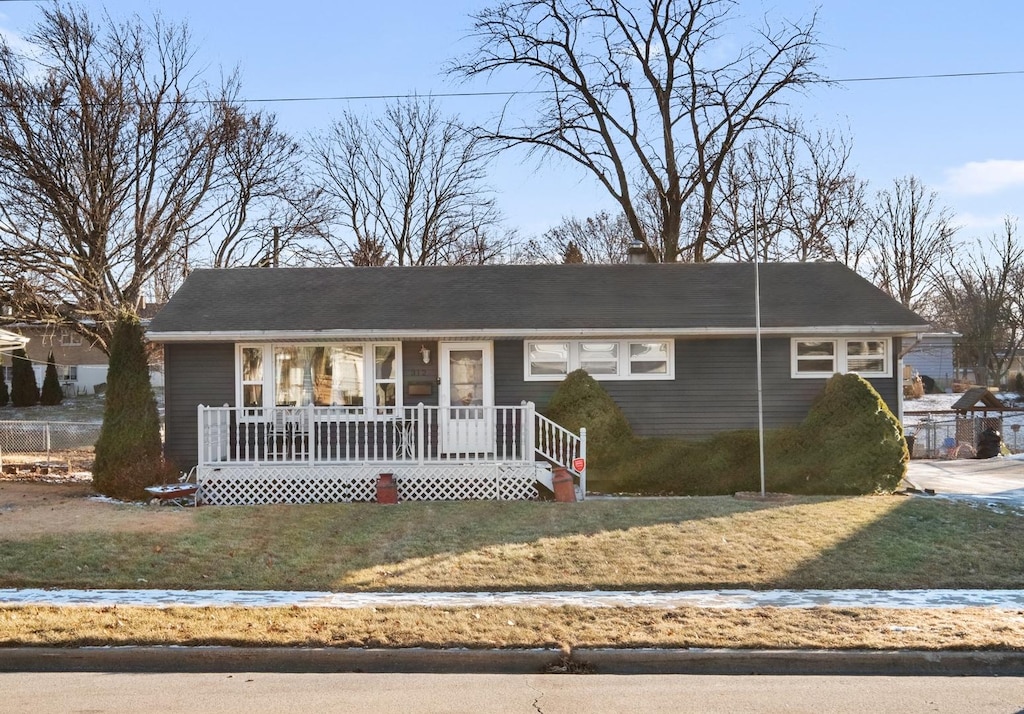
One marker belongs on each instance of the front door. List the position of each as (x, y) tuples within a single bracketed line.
[(467, 398)]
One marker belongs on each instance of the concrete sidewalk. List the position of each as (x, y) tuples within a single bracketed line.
[(997, 481)]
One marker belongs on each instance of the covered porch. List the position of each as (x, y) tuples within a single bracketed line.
[(317, 454)]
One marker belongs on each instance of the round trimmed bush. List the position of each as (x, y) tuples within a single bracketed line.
[(857, 441), (579, 401)]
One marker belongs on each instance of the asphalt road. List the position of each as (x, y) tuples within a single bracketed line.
[(255, 693)]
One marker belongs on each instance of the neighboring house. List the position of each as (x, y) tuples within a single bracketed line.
[(932, 357), (298, 384), (81, 365)]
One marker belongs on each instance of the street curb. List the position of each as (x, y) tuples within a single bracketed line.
[(531, 661)]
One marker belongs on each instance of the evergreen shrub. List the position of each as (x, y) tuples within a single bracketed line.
[(128, 452), (24, 388), (52, 394), (849, 443), (580, 401), (858, 441)]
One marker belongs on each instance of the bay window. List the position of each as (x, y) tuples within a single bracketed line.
[(296, 375)]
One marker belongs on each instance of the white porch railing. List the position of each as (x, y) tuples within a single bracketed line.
[(561, 447), (423, 435), (346, 434)]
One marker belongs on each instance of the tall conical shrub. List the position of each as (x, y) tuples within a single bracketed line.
[(52, 393), (24, 388), (128, 454)]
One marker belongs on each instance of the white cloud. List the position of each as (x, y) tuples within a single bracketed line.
[(977, 223), (984, 177)]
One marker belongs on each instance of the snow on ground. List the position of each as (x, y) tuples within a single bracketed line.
[(1000, 599), (938, 425)]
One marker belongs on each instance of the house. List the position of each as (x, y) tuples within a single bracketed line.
[(81, 364), (296, 384), (931, 357)]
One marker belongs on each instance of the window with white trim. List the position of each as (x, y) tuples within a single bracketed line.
[(823, 357), (337, 374), (69, 338), (602, 359)]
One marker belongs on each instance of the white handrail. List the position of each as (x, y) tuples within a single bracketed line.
[(561, 447)]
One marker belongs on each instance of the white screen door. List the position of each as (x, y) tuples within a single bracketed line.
[(467, 398)]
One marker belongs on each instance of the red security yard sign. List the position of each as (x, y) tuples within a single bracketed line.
[(578, 464)]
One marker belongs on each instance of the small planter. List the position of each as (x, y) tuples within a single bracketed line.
[(565, 490), (387, 489)]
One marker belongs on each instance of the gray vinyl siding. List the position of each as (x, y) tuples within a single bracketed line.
[(195, 374), (715, 388)]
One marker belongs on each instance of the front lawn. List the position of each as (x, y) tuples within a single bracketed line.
[(616, 544), (890, 542)]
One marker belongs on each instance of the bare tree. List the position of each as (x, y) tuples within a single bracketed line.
[(981, 296), (111, 162), (596, 239), (410, 188), (270, 211), (807, 203), (651, 100), (910, 235)]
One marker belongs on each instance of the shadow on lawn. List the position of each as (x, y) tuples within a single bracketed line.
[(923, 543), (631, 544)]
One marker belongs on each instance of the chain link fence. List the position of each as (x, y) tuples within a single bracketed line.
[(49, 442), (939, 435)]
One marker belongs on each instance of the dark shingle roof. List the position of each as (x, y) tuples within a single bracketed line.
[(507, 298)]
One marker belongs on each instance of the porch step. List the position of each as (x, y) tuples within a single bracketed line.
[(544, 476)]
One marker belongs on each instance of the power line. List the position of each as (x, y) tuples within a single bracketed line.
[(512, 93), (948, 75)]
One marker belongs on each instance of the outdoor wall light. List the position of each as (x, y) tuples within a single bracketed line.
[(425, 354)]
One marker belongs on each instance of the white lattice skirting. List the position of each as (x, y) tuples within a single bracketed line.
[(238, 485)]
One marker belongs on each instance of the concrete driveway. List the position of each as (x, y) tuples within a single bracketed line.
[(997, 480)]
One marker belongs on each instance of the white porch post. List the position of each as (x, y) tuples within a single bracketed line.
[(529, 430), (420, 435), (310, 436), (583, 455), (201, 441)]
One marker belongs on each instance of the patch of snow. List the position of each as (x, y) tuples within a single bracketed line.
[(743, 599)]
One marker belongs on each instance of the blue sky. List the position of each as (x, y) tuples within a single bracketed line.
[(961, 136)]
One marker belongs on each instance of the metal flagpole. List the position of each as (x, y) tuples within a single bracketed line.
[(757, 329)]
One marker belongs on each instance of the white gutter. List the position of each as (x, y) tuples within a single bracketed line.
[(11, 340), (272, 335)]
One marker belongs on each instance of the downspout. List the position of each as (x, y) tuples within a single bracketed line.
[(904, 351)]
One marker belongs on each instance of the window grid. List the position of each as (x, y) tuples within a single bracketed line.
[(651, 359), (823, 357), (276, 373)]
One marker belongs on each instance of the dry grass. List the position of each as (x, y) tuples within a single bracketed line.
[(634, 544), (517, 627), (663, 544)]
